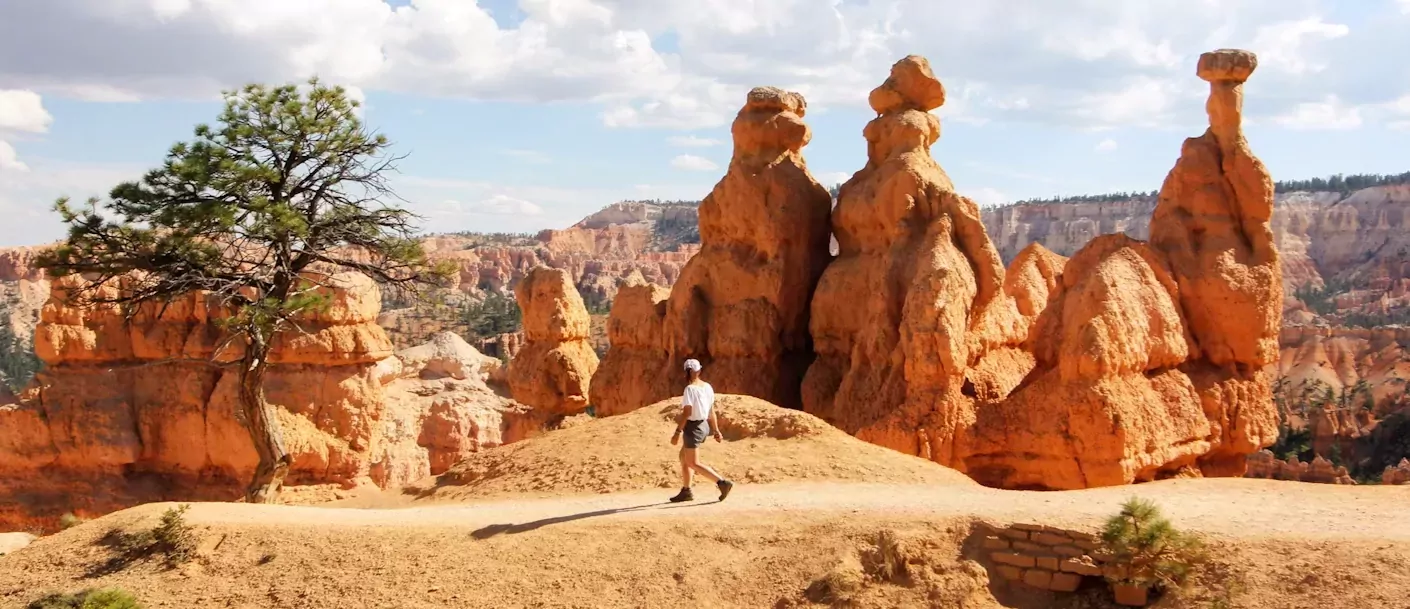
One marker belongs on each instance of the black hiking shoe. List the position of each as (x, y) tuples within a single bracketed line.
[(725, 487), (683, 496)]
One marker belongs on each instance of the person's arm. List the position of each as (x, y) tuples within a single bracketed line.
[(682, 417), (715, 424)]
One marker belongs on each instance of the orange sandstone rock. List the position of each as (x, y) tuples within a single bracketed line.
[(1398, 474), (552, 372), (127, 413), (1129, 362), (439, 409), (1104, 406), (635, 370), (1263, 464), (901, 314), (1212, 223), (741, 305)]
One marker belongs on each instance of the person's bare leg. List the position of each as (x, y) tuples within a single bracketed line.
[(707, 471), (687, 466)]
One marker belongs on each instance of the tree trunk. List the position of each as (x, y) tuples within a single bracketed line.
[(268, 438)]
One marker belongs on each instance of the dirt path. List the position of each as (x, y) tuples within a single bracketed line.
[(1290, 545), (1227, 507)]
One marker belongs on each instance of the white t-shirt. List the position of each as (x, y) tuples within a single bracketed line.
[(700, 397)]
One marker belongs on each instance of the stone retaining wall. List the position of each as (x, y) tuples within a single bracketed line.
[(1046, 557)]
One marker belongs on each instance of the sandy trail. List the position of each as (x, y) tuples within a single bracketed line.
[(1224, 507), (1292, 545)]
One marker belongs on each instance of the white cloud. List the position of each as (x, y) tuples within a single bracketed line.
[(97, 93), (9, 160), (1404, 6), (690, 162), (987, 196), (530, 156), (22, 110), (1145, 102), (692, 141), (829, 178), (1106, 145), (1280, 46), (1398, 111), (561, 207), (1329, 114), (1024, 60), (166, 10), (26, 197), (497, 205), (355, 93), (1089, 64)]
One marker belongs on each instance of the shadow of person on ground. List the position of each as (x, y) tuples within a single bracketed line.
[(497, 529)]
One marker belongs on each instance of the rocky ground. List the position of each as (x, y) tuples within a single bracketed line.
[(1275, 544)]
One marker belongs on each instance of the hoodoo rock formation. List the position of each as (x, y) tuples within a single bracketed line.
[(915, 295), (126, 413), (741, 305), (1263, 464), (632, 373), (552, 371), (1151, 357), (1128, 362)]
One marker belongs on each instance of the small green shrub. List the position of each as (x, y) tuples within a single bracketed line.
[(173, 538), (111, 598), (889, 560), (1155, 553)]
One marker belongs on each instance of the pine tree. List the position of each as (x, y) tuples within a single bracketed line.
[(256, 212)]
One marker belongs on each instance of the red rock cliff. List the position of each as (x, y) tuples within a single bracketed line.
[(130, 413), (741, 305), (915, 296), (1128, 362), (553, 369)]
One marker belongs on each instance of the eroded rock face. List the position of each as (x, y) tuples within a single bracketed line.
[(131, 413), (439, 407), (1151, 356), (1212, 223), (1128, 362), (741, 305), (554, 368), (915, 296), (1104, 405), (1263, 464), (635, 370), (1398, 474)]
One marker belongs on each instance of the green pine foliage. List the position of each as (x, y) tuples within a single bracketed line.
[(497, 314), (257, 211), (110, 598), (1154, 551), (1341, 184)]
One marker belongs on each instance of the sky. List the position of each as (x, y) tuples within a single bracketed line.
[(519, 115)]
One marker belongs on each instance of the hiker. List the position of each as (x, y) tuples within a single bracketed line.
[(696, 420)]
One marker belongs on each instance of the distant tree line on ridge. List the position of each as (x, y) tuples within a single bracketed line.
[(1342, 184)]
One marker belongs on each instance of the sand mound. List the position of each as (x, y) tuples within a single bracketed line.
[(763, 444)]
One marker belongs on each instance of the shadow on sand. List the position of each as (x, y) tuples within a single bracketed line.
[(498, 529)]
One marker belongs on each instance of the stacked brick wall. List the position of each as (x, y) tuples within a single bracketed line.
[(1045, 557)]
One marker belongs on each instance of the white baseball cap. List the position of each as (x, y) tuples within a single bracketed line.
[(692, 365)]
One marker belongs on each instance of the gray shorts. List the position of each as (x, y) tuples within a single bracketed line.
[(695, 433)]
